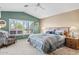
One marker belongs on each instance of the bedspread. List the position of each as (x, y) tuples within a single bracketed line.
[(46, 42)]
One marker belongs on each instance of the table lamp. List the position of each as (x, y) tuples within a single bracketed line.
[(73, 31), (2, 23)]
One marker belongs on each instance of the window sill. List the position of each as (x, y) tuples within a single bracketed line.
[(18, 34)]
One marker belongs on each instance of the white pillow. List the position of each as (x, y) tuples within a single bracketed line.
[(59, 32)]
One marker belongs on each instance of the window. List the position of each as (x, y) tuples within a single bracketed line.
[(20, 27)]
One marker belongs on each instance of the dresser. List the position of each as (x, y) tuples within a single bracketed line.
[(72, 42)]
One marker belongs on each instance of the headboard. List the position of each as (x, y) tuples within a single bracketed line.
[(66, 29), (59, 28)]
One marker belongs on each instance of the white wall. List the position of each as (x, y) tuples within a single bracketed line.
[(67, 19)]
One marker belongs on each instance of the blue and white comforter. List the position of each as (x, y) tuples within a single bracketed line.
[(46, 42)]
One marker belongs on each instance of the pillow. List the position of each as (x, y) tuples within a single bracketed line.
[(1, 34), (4, 33), (59, 32), (50, 32)]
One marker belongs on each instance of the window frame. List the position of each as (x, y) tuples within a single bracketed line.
[(22, 33)]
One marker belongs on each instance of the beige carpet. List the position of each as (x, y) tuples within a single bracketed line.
[(65, 51), (22, 47)]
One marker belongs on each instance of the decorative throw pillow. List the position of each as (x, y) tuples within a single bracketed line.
[(59, 32)]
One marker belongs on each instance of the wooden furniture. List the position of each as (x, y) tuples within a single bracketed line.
[(72, 42), (11, 40)]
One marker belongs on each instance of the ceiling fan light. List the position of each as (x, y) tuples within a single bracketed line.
[(25, 5), (38, 4)]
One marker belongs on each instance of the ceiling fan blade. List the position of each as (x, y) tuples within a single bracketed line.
[(38, 4), (41, 7)]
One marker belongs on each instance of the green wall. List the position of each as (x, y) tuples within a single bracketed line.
[(6, 15)]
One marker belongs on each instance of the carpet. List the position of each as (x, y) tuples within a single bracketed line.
[(65, 51), (22, 47)]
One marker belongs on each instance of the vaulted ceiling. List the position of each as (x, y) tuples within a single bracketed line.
[(39, 10)]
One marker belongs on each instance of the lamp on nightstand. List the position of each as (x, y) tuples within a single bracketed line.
[(73, 28), (73, 32)]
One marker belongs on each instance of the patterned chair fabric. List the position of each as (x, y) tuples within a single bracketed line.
[(6, 39), (3, 37)]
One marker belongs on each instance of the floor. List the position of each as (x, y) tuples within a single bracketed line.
[(65, 51), (22, 47)]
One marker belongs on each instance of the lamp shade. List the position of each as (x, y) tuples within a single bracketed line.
[(73, 28), (2, 23)]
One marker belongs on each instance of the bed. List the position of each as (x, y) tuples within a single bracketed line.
[(50, 40)]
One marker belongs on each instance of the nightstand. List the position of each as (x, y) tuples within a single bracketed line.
[(72, 42)]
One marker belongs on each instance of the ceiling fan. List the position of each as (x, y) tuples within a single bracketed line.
[(39, 5), (36, 5)]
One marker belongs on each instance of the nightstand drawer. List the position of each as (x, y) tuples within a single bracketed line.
[(71, 45), (77, 44), (70, 42)]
